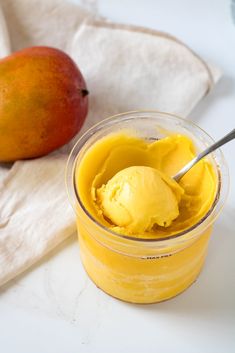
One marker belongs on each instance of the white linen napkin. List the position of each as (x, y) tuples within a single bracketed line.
[(126, 68)]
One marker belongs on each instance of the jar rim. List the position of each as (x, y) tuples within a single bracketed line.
[(213, 212)]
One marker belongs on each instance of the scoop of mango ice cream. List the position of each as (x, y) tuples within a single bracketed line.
[(139, 197)]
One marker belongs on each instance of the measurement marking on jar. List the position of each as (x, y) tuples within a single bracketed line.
[(155, 257)]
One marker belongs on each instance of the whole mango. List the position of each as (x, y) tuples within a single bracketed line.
[(43, 102)]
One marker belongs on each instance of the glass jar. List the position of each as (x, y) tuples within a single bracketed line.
[(144, 270)]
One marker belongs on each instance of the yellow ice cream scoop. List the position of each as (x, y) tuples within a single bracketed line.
[(140, 197)]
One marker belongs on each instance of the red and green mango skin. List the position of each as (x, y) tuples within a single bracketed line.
[(43, 102)]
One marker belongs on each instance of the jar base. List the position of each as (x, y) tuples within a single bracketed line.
[(147, 302)]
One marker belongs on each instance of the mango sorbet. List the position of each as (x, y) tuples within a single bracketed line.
[(142, 235), (125, 183)]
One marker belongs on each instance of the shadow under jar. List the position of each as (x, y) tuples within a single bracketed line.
[(141, 270)]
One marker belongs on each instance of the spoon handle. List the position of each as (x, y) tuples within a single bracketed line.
[(230, 136)]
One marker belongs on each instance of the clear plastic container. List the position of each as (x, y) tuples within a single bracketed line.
[(144, 270)]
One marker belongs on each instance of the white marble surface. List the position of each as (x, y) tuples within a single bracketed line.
[(46, 310)]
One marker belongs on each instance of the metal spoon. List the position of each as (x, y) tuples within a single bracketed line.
[(230, 136)]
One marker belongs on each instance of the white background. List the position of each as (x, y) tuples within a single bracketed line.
[(44, 311)]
